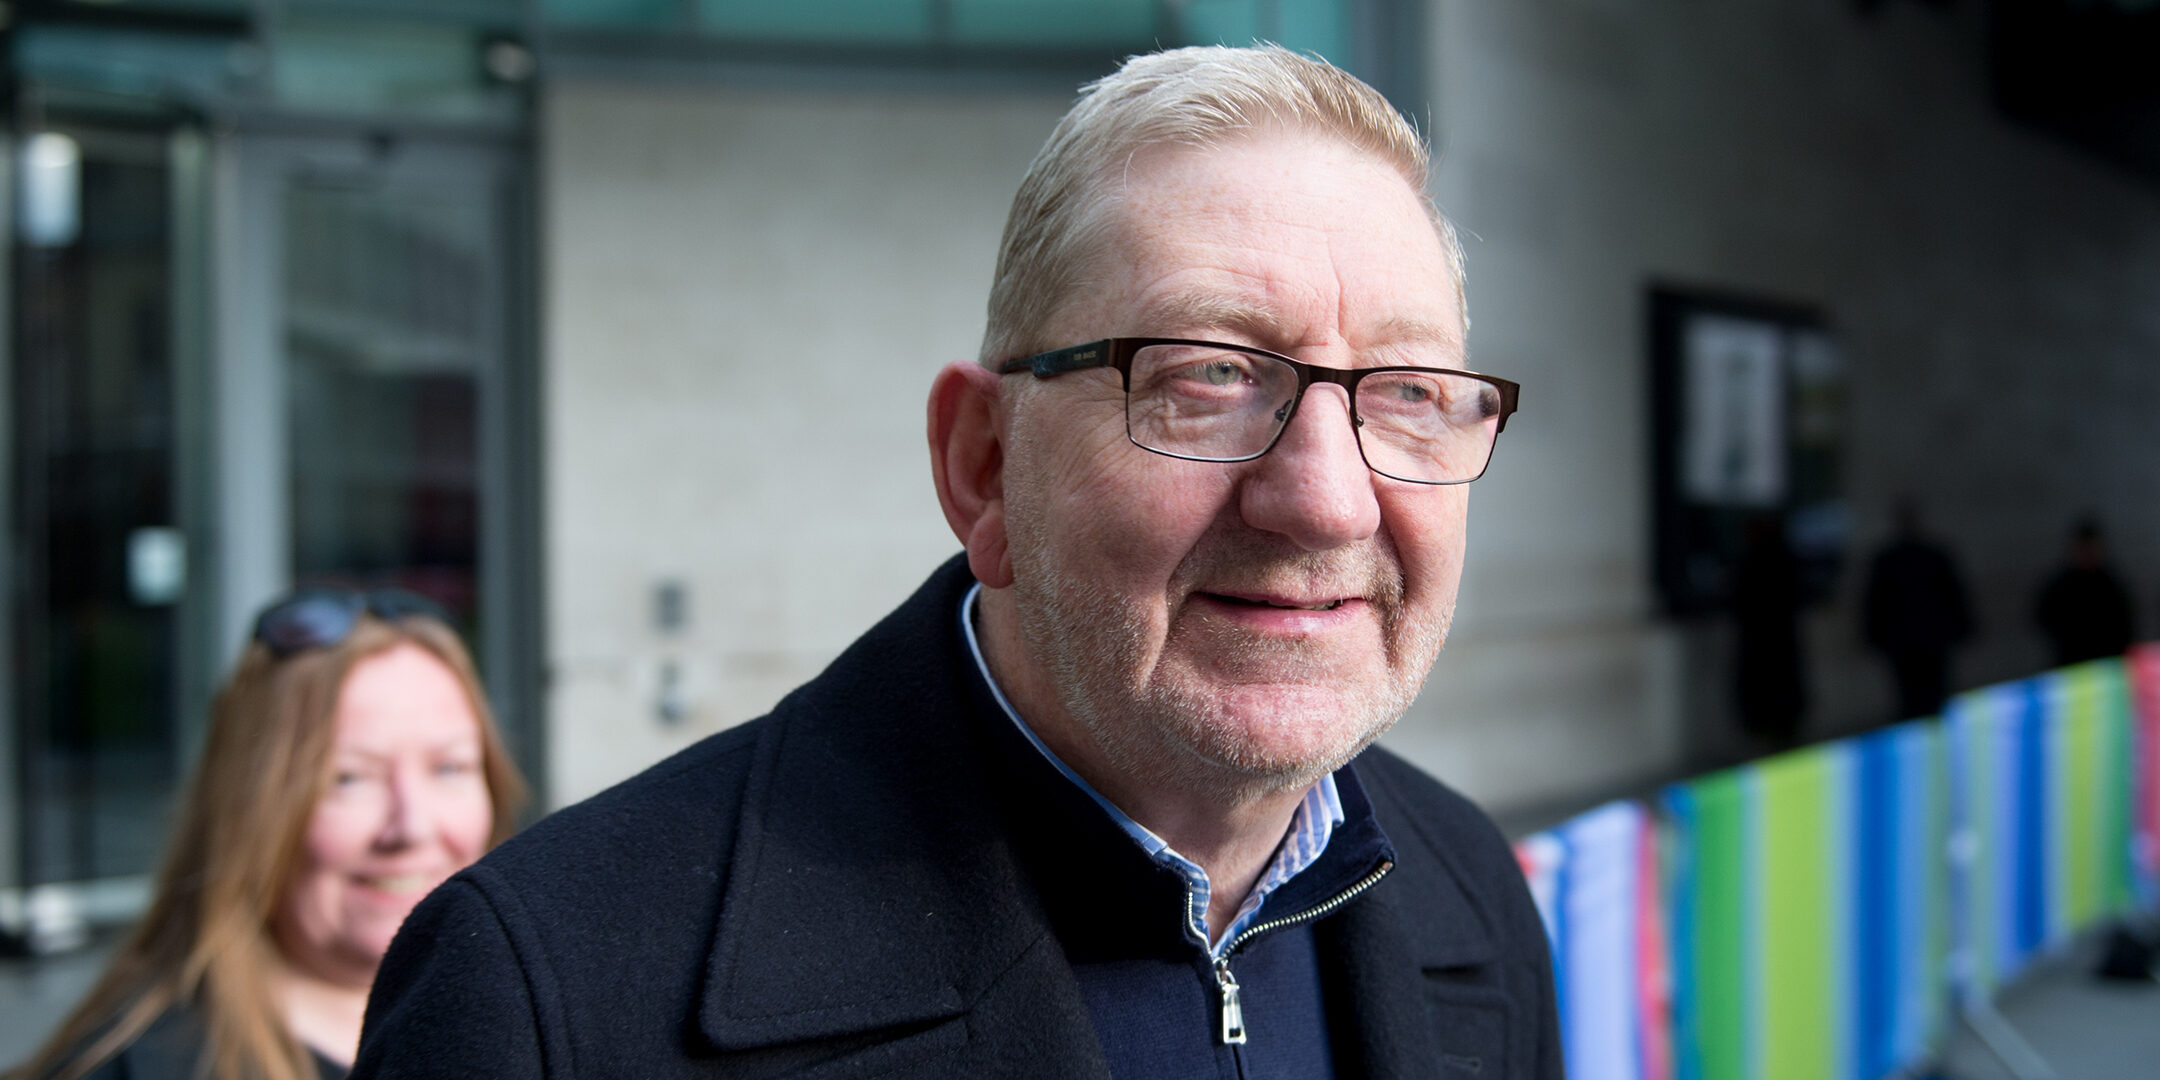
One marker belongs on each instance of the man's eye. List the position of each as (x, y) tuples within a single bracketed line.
[(1399, 389), (1221, 373)]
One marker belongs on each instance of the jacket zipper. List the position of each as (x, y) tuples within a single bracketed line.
[(1233, 1013)]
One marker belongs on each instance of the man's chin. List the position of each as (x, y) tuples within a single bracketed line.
[(1277, 740)]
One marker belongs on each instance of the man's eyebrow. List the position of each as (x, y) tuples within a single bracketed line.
[(1401, 329), (1199, 309), (1204, 310)]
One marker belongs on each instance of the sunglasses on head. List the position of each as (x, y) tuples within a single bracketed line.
[(320, 618)]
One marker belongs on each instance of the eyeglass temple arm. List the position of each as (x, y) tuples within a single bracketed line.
[(1094, 354)]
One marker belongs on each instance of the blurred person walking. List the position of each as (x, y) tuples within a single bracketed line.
[(351, 766), (2084, 609), (1771, 683), (1915, 613)]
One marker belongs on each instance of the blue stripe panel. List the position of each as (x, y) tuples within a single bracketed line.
[(1877, 950), (2032, 785), (2001, 798), (1678, 850), (1548, 886), (1845, 961), (1962, 961)]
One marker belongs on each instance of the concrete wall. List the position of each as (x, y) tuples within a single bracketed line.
[(745, 298), (747, 293)]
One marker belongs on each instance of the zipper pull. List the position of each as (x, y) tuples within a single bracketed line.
[(1233, 1014)]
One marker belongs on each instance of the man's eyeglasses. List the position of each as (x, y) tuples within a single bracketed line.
[(320, 618), (1204, 401)]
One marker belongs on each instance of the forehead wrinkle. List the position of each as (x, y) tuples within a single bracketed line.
[(1392, 329), (1254, 304), (1197, 309)]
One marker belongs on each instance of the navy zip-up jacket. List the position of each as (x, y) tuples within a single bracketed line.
[(880, 878)]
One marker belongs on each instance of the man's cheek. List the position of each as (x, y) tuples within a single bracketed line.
[(1134, 524), (1427, 535)]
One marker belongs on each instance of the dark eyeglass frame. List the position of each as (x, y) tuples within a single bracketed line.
[(319, 618), (1118, 353)]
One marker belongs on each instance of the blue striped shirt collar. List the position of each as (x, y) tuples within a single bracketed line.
[(1310, 826)]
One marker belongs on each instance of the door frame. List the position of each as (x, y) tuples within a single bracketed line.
[(250, 458)]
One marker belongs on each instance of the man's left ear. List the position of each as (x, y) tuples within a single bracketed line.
[(967, 462)]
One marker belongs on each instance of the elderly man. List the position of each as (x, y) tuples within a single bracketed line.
[(1097, 800)]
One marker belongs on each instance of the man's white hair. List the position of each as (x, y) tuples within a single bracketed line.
[(1199, 96)]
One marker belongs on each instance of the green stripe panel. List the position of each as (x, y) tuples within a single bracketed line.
[(2118, 757), (1724, 995), (2077, 789), (1801, 1039)]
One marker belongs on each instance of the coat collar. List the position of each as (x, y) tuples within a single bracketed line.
[(872, 885)]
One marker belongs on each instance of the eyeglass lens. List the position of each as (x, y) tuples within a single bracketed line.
[(1217, 404)]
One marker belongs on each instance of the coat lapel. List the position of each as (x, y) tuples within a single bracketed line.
[(1405, 981), (872, 886)]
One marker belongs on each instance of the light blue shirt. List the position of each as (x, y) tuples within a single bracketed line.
[(1310, 827)]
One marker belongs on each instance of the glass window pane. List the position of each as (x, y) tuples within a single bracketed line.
[(385, 349), (214, 8), (351, 66), (1320, 26), (126, 62), (93, 434), (628, 14), (1067, 23), (848, 21), (1220, 22), (501, 13)]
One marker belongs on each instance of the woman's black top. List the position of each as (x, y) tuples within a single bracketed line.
[(171, 1048)]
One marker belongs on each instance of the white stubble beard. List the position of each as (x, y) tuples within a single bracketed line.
[(1171, 729)]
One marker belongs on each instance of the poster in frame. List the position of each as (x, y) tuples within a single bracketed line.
[(1747, 407)]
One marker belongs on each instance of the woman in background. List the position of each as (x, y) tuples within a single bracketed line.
[(351, 766)]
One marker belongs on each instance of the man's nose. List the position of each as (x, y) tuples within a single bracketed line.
[(1313, 487)]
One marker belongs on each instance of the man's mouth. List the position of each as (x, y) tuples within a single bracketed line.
[(1246, 601)]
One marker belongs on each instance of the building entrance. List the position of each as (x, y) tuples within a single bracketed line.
[(260, 359)]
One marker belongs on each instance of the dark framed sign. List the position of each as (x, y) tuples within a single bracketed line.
[(1747, 408)]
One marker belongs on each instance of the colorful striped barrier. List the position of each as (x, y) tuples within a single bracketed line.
[(1813, 916), (1597, 883), (1899, 883), (2143, 668)]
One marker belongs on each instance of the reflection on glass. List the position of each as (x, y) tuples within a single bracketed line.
[(613, 13), (93, 434), (852, 21), (1069, 23), (384, 345)]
